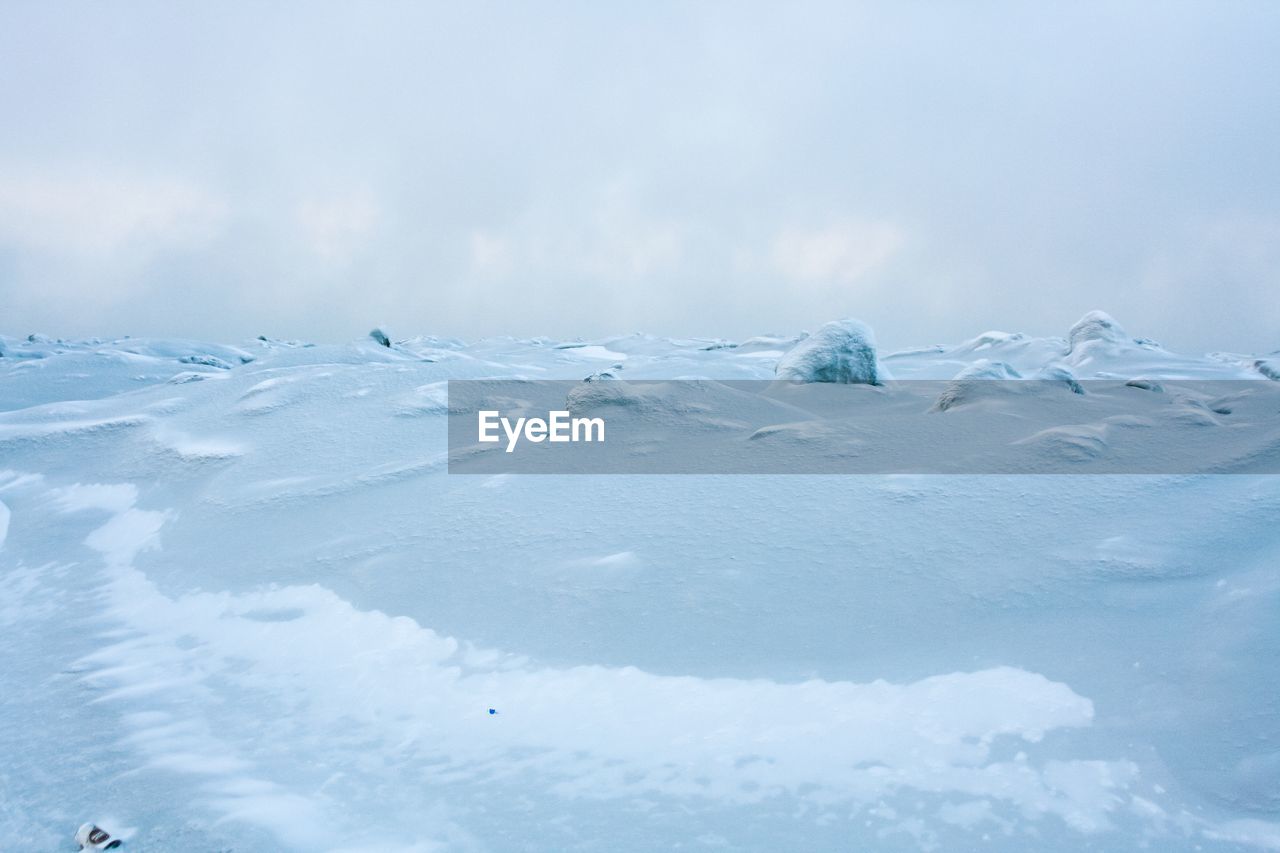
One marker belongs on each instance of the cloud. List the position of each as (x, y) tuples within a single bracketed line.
[(606, 235), (843, 252), (544, 177), (1236, 258), (490, 255), (76, 212), (336, 227)]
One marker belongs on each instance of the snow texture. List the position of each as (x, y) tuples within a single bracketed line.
[(841, 351), (252, 611)]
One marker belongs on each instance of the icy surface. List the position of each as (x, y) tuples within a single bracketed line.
[(243, 607), (842, 351)]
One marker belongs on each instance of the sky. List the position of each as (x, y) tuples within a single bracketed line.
[(578, 169)]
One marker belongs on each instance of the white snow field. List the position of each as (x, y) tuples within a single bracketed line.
[(245, 607)]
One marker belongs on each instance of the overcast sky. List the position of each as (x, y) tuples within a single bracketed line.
[(577, 169)]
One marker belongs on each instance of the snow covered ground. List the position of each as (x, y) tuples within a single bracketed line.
[(245, 607)]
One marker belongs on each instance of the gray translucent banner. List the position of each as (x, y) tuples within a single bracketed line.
[(961, 426)]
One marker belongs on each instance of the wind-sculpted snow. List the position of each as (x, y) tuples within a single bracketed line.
[(1095, 327), (253, 611), (976, 381), (842, 351), (588, 731)]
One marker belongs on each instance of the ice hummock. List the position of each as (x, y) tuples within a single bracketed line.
[(1095, 326), (841, 351)]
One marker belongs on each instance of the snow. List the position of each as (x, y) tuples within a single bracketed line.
[(841, 351), (1095, 327), (257, 613), (985, 368), (594, 351)]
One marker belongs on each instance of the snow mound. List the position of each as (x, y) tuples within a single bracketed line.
[(656, 400), (186, 377), (972, 382), (987, 340), (1056, 373), (986, 369), (1073, 442), (836, 438), (206, 361), (1269, 368), (190, 449), (769, 342), (842, 351), (1095, 326)]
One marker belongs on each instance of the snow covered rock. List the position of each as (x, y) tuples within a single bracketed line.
[(1096, 326), (842, 351)]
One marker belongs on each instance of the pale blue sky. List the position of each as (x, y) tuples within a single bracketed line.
[(935, 169)]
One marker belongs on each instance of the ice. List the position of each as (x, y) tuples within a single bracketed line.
[(1269, 368), (595, 351), (841, 351), (1095, 327), (429, 399), (974, 383), (610, 730), (1057, 373), (253, 611), (205, 360)]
